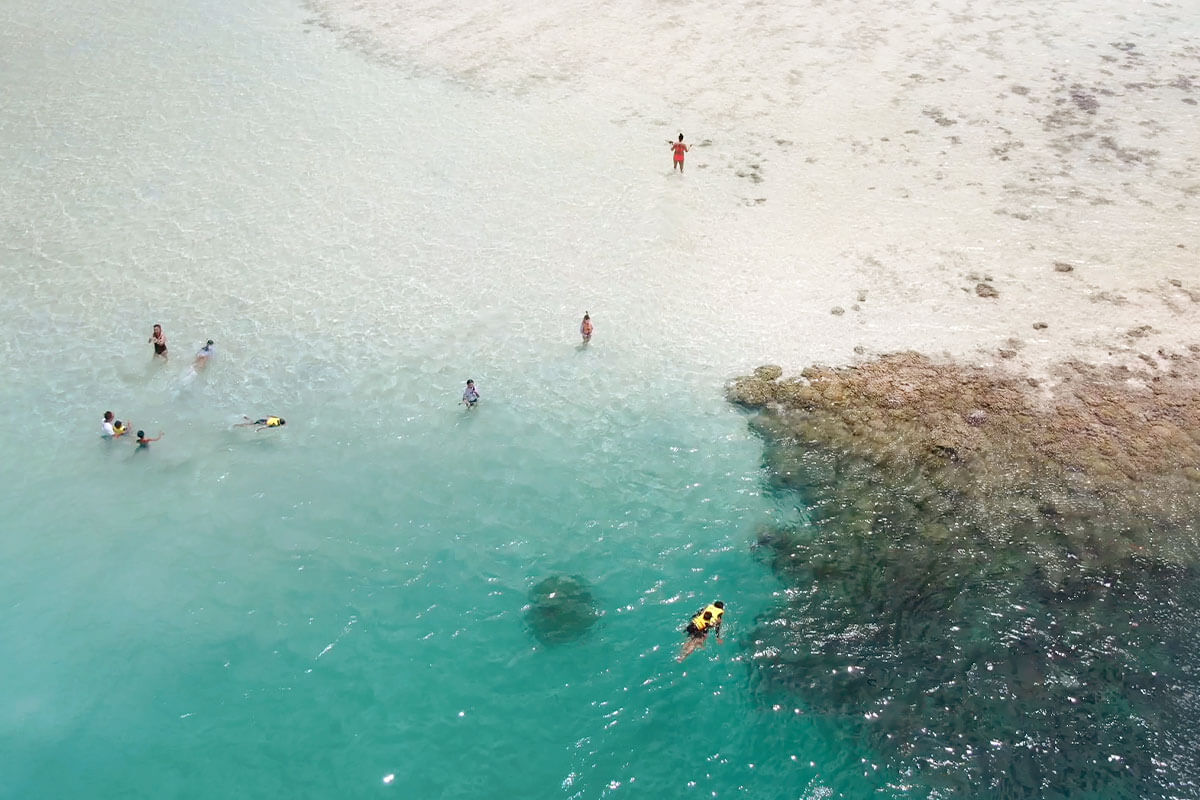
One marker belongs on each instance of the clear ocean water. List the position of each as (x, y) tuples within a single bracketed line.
[(335, 609), (338, 608)]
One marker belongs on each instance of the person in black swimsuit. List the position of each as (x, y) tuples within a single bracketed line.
[(159, 341)]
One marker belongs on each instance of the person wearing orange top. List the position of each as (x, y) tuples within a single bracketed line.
[(679, 148)]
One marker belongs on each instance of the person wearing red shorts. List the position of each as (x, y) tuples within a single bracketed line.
[(679, 148)]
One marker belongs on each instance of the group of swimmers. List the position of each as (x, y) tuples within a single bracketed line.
[(159, 340), (704, 621), (113, 428)]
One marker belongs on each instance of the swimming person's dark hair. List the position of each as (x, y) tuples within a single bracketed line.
[(107, 415), (681, 137), (210, 341), (719, 604), (141, 434), (470, 381), (282, 421), (585, 315)]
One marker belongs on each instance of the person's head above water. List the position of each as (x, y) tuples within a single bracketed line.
[(718, 604), (157, 328), (585, 315), (209, 344), (470, 382), (141, 434), (108, 415), (681, 137)]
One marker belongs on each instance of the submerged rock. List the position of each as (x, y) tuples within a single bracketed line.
[(1123, 450), (994, 587), (561, 609)]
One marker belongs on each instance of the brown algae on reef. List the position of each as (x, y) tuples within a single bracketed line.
[(994, 584)]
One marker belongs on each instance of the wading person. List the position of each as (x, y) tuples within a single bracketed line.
[(585, 328), (678, 148), (159, 340), (470, 394)]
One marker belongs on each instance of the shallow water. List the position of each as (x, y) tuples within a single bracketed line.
[(338, 607)]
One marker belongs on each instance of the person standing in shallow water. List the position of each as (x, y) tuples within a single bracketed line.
[(470, 394), (143, 443), (159, 340), (679, 148), (585, 328)]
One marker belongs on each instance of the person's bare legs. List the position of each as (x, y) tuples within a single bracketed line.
[(693, 644)]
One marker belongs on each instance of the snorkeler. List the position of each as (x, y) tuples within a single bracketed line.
[(159, 340), (203, 355), (143, 443), (585, 328), (678, 148), (705, 620), (265, 422), (470, 394)]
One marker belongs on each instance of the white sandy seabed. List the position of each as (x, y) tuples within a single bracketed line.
[(872, 163)]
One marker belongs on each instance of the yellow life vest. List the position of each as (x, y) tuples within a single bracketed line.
[(119, 429), (702, 624), (273, 422)]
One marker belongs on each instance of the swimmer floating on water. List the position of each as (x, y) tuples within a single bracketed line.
[(678, 148), (265, 422), (203, 355), (705, 620), (470, 394), (159, 340)]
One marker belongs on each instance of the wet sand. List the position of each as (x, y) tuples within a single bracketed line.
[(1009, 185)]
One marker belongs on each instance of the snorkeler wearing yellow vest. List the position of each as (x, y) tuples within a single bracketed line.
[(707, 619), (265, 422)]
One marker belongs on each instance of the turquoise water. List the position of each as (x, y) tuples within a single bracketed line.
[(337, 608)]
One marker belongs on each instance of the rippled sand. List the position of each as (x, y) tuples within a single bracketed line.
[(992, 183)]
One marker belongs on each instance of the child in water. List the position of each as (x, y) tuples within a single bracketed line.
[(110, 428), (470, 394), (143, 443)]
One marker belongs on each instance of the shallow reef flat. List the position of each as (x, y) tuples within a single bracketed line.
[(992, 580)]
